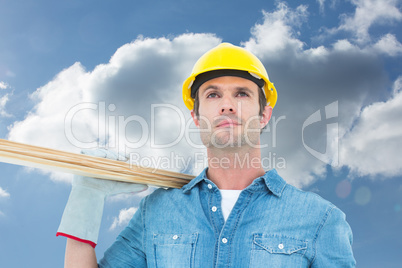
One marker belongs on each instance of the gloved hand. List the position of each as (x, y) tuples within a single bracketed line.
[(83, 213)]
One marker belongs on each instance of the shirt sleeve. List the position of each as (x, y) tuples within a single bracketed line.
[(129, 248), (333, 244)]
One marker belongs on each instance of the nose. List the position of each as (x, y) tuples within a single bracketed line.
[(227, 107)]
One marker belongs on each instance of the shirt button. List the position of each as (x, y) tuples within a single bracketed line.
[(213, 209), (209, 186), (224, 240), (280, 246), (175, 237)]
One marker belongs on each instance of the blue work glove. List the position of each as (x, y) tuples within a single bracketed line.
[(83, 213)]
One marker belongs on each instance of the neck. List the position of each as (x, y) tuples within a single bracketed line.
[(234, 169)]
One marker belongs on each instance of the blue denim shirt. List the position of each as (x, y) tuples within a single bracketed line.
[(273, 224)]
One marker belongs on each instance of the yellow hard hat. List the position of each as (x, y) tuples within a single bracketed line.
[(227, 59)]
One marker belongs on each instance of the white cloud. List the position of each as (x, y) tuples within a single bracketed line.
[(372, 146), (3, 101), (344, 45), (3, 85), (44, 125), (277, 32), (388, 44), (397, 87), (124, 217), (368, 13), (4, 193), (321, 4)]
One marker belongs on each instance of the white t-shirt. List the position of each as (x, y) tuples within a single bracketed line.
[(229, 199)]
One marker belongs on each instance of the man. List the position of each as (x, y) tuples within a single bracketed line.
[(234, 214)]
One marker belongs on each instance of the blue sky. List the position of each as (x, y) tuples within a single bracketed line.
[(336, 130)]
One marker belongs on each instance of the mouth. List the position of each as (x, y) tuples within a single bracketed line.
[(227, 124)]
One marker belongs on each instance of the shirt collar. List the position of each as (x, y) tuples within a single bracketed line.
[(271, 178), (274, 182), (203, 175)]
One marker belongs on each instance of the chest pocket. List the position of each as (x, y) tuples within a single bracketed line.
[(278, 251), (175, 250)]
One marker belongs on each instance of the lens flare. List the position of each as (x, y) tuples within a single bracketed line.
[(363, 195), (343, 189)]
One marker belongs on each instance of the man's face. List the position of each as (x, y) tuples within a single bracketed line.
[(229, 113)]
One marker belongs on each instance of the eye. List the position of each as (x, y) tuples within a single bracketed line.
[(242, 94), (212, 95)]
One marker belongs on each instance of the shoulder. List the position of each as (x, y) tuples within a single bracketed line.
[(163, 196), (311, 203), (307, 198)]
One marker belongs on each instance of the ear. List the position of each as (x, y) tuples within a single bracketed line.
[(266, 116), (195, 119)]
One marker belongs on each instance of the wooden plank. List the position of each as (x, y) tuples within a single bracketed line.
[(90, 166)]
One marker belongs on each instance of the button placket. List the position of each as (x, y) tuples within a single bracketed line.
[(213, 201)]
